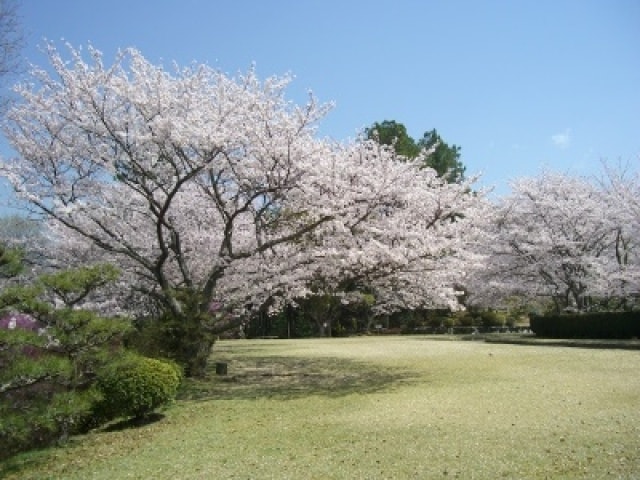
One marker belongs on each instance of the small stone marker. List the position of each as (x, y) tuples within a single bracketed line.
[(221, 368)]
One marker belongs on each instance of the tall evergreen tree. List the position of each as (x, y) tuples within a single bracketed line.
[(444, 159), (390, 132)]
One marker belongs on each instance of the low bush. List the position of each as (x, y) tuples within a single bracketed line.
[(491, 318), (464, 318), (186, 341), (135, 386), (51, 417), (49, 357), (42, 399)]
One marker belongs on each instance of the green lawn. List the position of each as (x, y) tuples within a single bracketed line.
[(378, 408)]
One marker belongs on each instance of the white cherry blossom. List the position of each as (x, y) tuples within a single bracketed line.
[(194, 179)]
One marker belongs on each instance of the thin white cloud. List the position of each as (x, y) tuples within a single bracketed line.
[(563, 139)]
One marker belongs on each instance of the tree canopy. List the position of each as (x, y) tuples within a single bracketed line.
[(390, 132), (215, 199), (208, 189), (561, 238), (440, 156), (444, 158)]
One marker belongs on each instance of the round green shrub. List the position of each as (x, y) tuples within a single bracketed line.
[(464, 319), (135, 386), (491, 318)]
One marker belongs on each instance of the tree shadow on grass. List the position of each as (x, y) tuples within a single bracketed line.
[(291, 377), (134, 422)]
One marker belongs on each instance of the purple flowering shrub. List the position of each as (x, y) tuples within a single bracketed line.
[(23, 321), (15, 321)]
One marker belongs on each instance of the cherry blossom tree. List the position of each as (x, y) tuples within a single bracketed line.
[(621, 190), (404, 234), (555, 237), (209, 189)]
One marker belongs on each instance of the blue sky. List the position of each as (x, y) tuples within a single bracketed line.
[(520, 85)]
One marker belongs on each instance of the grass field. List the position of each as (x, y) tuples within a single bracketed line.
[(378, 408)]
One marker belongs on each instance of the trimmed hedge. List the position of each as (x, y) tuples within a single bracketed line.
[(135, 386), (587, 325)]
